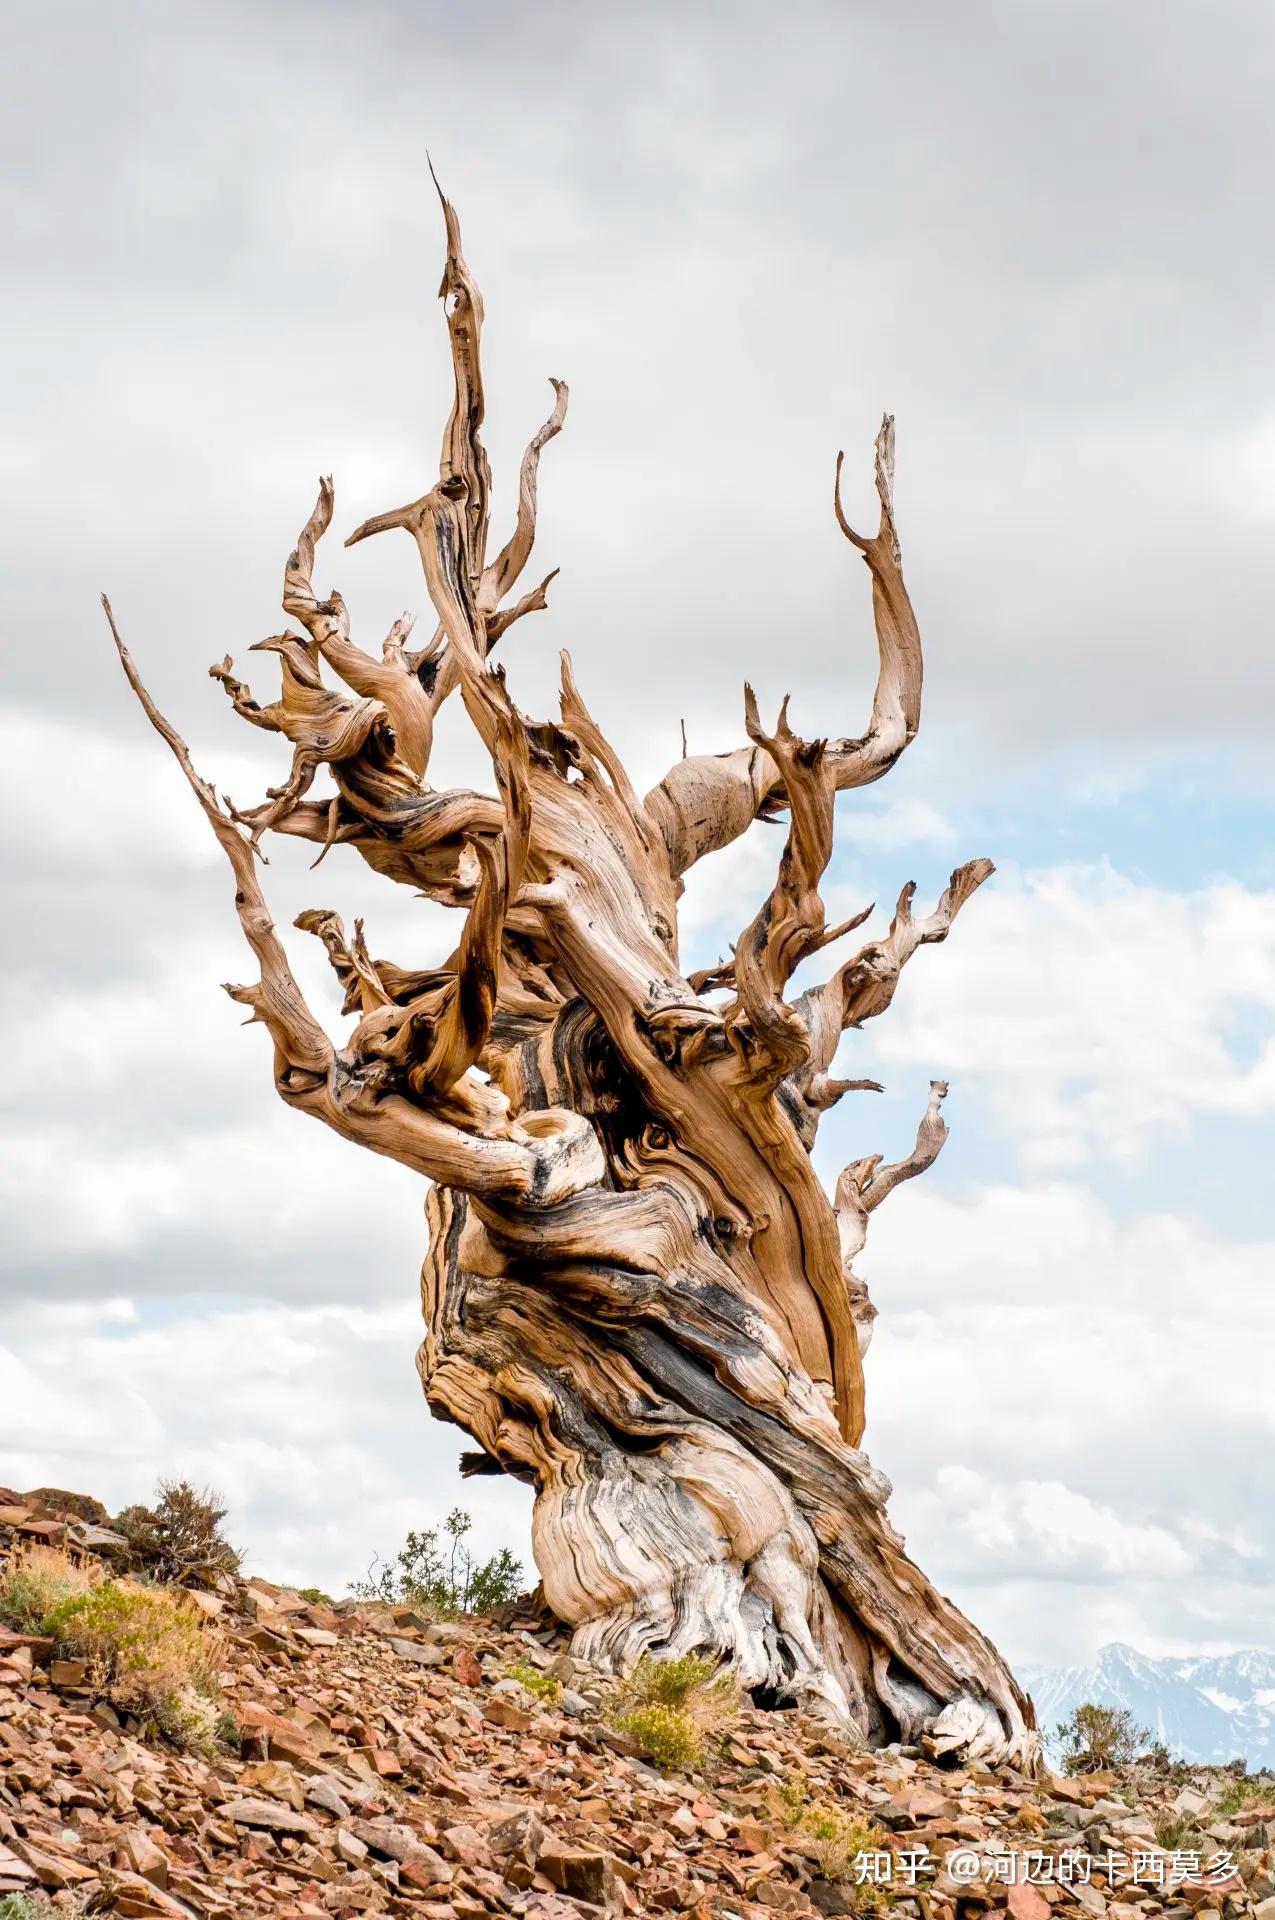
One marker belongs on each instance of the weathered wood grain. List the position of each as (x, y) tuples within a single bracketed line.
[(637, 1296)]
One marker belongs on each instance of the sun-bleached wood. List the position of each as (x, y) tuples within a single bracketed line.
[(637, 1295)]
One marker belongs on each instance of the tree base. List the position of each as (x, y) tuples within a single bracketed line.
[(694, 1496)]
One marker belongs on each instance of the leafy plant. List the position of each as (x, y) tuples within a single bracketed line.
[(542, 1685), (687, 1682), (227, 1730), (315, 1595), (1244, 1792), (1095, 1738), (33, 1581), (835, 1838), (150, 1654), (671, 1704), (26, 1906), (179, 1539), (438, 1574), (667, 1736)]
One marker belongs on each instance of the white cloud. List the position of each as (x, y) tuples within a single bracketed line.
[(1075, 1409), (310, 1421), (1039, 1529), (1099, 1017)]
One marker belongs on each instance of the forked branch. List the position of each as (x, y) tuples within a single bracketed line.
[(704, 802), (474, 1143), (789, 925), (864, 1184), (865, 985)]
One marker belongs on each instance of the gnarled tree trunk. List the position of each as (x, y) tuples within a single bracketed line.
[(636, 1294)]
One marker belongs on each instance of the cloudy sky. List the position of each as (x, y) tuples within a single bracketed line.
[(1041, 235)]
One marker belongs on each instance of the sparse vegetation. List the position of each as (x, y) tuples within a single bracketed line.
[(670, 1705), (1244, 1792), (542, 1685), (436, 1572), (711, 1697), (150, 1655), (34, 1581), (835, 1837), (228, 1731), (179, 1539), (1179, 1833), (26, 1906), (666, 1736), (315, 1595), (1096, 1738)]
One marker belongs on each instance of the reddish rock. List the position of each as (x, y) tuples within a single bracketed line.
[(584, 1876), (466, 1667), (1026, 1902), (502, 1712)]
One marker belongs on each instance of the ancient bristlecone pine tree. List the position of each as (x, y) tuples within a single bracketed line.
[(637, 1296)]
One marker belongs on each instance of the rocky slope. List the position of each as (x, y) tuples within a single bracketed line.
[(388, 1765), (1206, 1709)]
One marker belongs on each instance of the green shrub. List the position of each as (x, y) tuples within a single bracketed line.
[(315, 1595), (669, 1683), (33, 1581), (150, 1655), (26, 1906), (542, 1685), (710, 1698), (667, 1736), (1095, 1738), (228, 1731), (835, 1838), (441, 1577), (669, 1706), (1243, 1792), (179, 1539)]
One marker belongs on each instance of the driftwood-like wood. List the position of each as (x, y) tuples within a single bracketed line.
[(637, 1296)]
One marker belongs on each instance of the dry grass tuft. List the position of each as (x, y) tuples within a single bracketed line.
[(35, 1580)]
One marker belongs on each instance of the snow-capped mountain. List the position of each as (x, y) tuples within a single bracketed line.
[(1210, 1708)]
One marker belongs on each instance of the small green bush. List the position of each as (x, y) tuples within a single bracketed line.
[(441, 1577), (150, 1654), (669, 1706), (1244, 1792), (315, 1595), (34, 1580), (26, 1906), (669, 1683), (228, 1731), (1095, 1738), (667, 1736), (710, 1698), (836, 1837), (542, 1685)]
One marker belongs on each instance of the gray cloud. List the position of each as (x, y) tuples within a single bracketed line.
[(1040, 235)]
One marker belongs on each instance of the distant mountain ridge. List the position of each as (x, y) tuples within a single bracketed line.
[(1209, 1709)]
